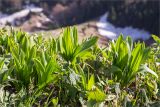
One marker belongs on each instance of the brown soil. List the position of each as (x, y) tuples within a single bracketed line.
[(85, 30)]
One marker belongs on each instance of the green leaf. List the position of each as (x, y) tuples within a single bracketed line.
[(55, 101), (144, 68), (96, 95), (1, 64), (68, 45), (32, 53), (87, 44), (91, 82), (116, 70), (75, 35), (156, 38), (83, 76), (40, 68)]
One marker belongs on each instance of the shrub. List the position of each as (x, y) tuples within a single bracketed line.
[(64, 72)]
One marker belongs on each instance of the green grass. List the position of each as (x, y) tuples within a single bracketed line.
[(65, 72)]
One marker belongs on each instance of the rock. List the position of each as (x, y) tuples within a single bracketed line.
[(19, 16), (37, 22)]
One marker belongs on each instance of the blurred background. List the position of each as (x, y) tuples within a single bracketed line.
[(104, 18)]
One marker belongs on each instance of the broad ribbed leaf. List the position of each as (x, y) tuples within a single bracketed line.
[(69, 47), (39, 65), (40, 69), (1, 64), (32, 53), (144, 68), (87, 44), (96, 95), (118, 43), (75, 35), (116, 70), (91, 82), (83, 77), (156, 38)]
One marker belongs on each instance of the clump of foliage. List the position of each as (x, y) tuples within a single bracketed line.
[(64, 72)]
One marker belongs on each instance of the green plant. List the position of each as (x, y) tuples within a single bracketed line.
[(154, 60), (23, 55), (94, 95), (69, 47), (63, 72), (128, 60), (47, 69)]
